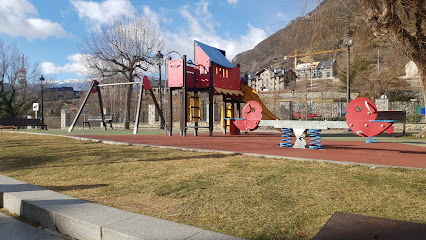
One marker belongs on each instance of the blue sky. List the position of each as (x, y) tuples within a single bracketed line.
[(49, 32)]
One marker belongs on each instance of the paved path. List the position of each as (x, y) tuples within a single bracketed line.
[(12, 229), (81, 219)]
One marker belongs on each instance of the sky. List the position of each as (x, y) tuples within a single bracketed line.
[(50, 32)]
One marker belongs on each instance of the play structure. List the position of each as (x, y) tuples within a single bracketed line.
[(211, 72), (95, 87)]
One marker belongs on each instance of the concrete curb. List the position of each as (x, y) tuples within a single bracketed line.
[(84, 220)]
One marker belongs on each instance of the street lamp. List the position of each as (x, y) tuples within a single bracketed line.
[(159, 57), (42, 100), (348, 43)]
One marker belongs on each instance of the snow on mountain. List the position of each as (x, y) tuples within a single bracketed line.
[(76, 84)]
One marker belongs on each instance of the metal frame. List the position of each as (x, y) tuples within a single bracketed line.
[(95, 85), (184, 102), (115, 84)]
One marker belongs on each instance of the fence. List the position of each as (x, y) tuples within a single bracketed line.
[(283, 110)]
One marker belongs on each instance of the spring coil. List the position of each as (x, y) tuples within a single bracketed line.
[(370, 140), (286, 137), (315, 139)]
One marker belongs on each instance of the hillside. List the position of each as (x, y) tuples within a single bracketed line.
[(321, 29)]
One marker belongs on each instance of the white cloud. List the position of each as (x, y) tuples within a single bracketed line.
[(153, 16), (233, 2), (98, 13), (201, 27), (20, 18), (74, 66), (281, 15)]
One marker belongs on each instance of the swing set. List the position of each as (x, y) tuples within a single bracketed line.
[(95, 87)]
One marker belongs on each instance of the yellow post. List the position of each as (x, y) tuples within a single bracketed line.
[(222, 115), (230, 114)]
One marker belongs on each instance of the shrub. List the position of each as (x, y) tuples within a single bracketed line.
[(415, 118)]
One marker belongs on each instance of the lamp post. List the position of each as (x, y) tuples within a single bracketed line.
[(42, 100), (159, 57), (348, 43)]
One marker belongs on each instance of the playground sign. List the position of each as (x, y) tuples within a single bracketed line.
[(35, 107)]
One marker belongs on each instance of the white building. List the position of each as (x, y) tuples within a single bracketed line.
[(317, 70), (268, 79)]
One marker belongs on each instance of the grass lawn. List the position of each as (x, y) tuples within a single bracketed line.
[(244, 196)]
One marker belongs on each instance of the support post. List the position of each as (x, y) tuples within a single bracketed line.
[(138, 112), (348, 80), (184, 101), (170, 111), (92, 84), (225, 114), (157, 107), (211, 100), (101, 106), (239, 112), (195, 122)]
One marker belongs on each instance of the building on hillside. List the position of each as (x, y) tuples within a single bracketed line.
[(317, 70), (60, 93), (412, 76), (268, 79)]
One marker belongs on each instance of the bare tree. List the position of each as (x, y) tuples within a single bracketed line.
[(125, 48), (403, 24), (15, 94)]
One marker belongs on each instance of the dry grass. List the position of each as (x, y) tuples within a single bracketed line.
[(249, 197)]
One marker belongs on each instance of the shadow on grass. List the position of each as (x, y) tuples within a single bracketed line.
[(73, 187), (41, 162)]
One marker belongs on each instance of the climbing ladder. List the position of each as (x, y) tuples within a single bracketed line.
[(194, 110)]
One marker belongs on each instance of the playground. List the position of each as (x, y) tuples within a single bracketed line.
[(243, 112), (338, 147), (240, 195), (246, 179)]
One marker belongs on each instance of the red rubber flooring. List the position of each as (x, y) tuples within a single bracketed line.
[(381, 153)]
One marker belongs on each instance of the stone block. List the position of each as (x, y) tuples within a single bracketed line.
[(15, 191), (43, 209), (86, 221), (146, 227)]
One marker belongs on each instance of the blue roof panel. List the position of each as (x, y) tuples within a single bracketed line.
[(216, 55)]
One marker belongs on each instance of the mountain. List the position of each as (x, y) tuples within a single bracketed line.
[(321, 29), (76, 84)]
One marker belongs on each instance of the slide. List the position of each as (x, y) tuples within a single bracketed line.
[(251, 94)]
